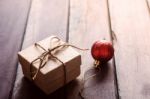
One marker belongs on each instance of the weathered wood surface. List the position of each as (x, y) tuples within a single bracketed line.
[(89, 22), (131, 23), (13, 16), (46, 18), (81, 22)]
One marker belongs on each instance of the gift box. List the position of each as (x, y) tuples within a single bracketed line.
[(50, 63)]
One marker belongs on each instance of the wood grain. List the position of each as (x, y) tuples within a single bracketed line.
[(46, 18), (131, 23), (88, 23), (13, 16)]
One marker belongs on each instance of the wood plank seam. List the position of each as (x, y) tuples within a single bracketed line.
[(30, 4), (65, 88), (68, 22), (113, 37), (148, 6)]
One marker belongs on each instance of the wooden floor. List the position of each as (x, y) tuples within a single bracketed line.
[(125, 23)]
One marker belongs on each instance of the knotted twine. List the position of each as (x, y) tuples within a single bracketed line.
[(47, 54)]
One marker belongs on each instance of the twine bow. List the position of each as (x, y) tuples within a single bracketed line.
[(47, 54)]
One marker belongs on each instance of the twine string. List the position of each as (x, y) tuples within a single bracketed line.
[(47, 54)]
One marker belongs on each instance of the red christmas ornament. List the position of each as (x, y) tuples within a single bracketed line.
[(102, 51)]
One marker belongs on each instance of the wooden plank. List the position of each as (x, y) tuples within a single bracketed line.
[(47, 17), (13, 16), (89, 23), (131, 23)]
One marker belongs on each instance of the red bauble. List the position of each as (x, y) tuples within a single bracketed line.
[(102, 51)]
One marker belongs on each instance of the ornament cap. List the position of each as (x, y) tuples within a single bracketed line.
[(97, 64)]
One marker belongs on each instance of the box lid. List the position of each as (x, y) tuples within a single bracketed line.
[(65, 54)]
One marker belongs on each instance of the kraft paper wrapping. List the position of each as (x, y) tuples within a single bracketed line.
[(51, 76)]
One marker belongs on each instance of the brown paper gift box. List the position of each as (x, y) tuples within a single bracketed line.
[(51, 76)]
